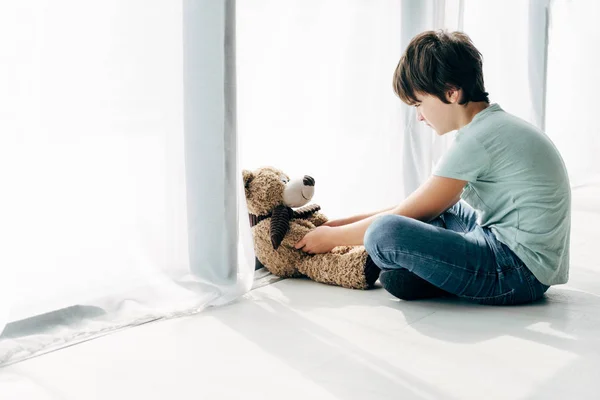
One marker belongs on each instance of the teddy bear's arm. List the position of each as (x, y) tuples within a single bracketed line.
[(298, 228), (276, 264), (317, 219)]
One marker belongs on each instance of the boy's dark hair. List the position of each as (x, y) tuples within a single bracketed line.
[(437, 61)]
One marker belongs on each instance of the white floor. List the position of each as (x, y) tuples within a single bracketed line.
[(297, 340)]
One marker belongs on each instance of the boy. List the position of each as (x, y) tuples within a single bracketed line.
[(492, 224)]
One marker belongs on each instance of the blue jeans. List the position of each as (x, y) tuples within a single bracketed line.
[(454, 254)]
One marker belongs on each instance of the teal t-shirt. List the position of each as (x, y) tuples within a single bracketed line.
[(518, 184)]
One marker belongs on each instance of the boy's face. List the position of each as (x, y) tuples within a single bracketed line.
[(437, 114)]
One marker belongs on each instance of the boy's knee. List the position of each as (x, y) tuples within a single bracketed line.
[(381, 231), (375, 232)]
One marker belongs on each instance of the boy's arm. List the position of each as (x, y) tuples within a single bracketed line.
[(430, 200), (356, 218)]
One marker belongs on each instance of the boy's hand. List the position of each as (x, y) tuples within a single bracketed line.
[(320, 240)]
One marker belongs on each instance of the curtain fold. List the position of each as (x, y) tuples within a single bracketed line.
[(422, 146), (514, 53), (215, 199)]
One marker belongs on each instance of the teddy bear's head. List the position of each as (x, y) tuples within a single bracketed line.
[(267, 188)]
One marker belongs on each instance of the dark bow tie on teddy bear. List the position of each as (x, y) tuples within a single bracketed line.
[(280, 220)]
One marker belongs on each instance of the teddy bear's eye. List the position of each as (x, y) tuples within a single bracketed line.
[(284, 179)]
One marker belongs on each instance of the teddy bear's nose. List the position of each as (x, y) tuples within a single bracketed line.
[(308, 180)]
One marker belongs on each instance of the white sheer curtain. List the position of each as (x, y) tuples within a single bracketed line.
[(511, 36), (540, 62), (119, 167), (315, 96), (573, 87), (422, 147)]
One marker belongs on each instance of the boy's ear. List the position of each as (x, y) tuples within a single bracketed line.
[(248, 176), (453, 95)]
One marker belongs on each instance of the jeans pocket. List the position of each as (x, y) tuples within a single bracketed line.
[(504, 299)]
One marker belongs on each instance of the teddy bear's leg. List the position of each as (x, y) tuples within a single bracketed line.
[(354, 270)]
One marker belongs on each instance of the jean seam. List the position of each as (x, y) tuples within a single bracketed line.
[(388, 266), (436, 260), (511, 292)]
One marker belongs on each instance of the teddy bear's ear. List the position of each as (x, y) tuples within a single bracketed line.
[(248, 176)]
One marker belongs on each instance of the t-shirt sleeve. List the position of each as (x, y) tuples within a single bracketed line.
[(466, 160)]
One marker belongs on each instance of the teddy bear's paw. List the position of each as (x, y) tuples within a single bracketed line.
[(341, 249), (372, 272)]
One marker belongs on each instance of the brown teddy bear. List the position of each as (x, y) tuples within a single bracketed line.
[(278, 224)]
